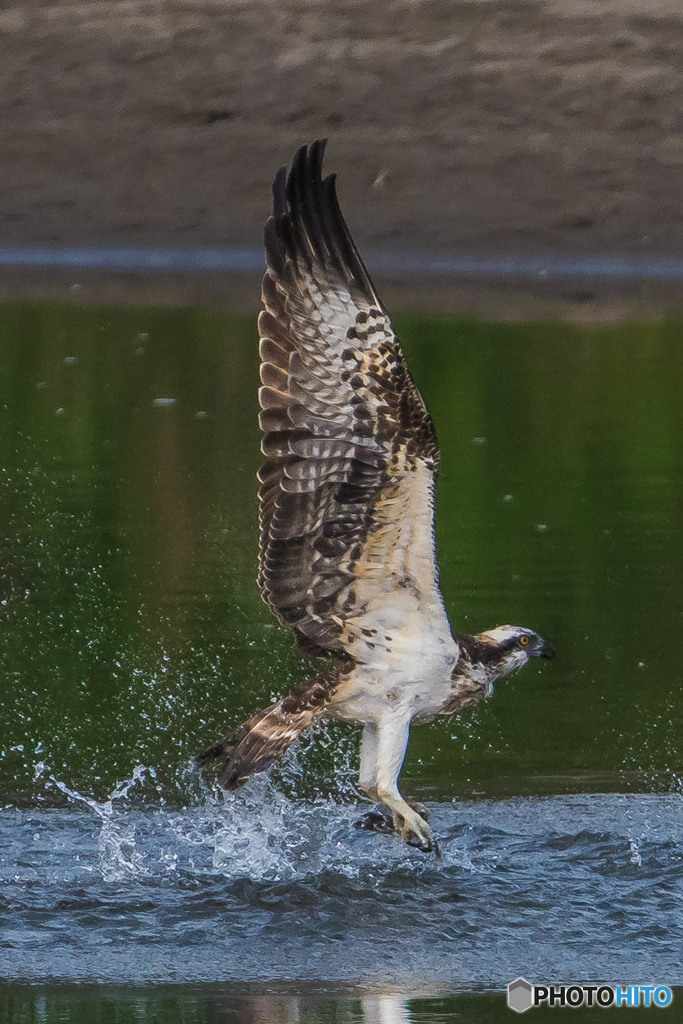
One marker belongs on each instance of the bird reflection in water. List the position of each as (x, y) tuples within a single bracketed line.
[(377, 1008)]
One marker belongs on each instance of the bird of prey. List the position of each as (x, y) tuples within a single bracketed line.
[(347, 554)]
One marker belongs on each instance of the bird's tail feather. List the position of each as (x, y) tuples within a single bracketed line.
[(265, 737)]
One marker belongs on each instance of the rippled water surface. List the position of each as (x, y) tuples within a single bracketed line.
[(574, 887), (132, 634)]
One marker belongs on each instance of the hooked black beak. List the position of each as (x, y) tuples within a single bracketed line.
[(546, 650)]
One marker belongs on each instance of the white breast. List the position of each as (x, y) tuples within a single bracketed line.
[(417, 680)]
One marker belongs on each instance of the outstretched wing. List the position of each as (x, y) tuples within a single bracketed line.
[(347, 489)]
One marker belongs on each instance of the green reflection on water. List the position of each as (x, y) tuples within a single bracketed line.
[(189, 1004), (132, 630)]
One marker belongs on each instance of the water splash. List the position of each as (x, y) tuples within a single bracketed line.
[(260, 833), (119, 856), (115, 890)]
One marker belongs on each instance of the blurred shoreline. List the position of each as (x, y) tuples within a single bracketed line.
[(556, 298), (542, 127)]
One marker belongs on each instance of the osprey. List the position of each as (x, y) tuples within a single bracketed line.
[(347, 555)]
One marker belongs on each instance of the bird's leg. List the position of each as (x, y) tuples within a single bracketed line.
[(368, 761), (392, 740), (378, 819)]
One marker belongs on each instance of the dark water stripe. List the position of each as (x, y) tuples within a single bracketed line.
[(235, 259)]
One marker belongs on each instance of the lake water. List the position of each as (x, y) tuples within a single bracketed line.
[(133, 635)]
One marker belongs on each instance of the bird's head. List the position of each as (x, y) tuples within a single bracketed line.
[(500, 651)]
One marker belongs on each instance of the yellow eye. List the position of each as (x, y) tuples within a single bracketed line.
[(524, 641)]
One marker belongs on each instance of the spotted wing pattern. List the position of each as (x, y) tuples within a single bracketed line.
[(266, 736), (346, 498)]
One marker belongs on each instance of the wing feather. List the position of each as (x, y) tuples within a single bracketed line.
[(347, 497)]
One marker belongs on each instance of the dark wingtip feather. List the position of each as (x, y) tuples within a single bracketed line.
[(316, 155), (307, 223), (318, 147), (280, 192), (276, 253)]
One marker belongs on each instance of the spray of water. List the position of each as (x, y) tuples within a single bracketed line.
[(260, 833)]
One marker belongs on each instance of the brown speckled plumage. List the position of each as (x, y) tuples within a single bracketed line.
[(343, 419), (264, 737)]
